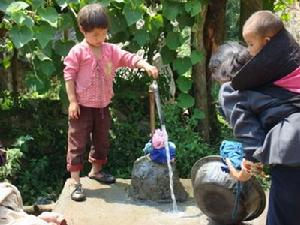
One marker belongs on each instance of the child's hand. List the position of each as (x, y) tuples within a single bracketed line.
[(253, 168), (74, 110), (240, 175), (152, 71)]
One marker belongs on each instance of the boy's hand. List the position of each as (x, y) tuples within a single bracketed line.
[(240, 175), (74, 110)]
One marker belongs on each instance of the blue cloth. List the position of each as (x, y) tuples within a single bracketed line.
[(234, 151), (160, 155), (148, 148)]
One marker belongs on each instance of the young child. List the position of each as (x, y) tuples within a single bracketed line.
[(89, 73), (267, 123), (276, 55)]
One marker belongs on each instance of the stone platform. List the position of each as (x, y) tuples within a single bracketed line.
[(110, 205)]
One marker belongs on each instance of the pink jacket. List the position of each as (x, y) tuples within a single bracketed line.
[(291, 81), (94, 78)]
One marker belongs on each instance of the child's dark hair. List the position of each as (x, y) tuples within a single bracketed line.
[(92, 16), (228, 60)]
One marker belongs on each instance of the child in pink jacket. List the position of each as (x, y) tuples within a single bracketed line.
[(89, 74)]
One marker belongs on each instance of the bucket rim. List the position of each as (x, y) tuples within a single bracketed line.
[(212, 158)]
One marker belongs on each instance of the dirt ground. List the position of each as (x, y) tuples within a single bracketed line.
[(110, 205)]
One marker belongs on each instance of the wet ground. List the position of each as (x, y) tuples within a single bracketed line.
[(110, 205)]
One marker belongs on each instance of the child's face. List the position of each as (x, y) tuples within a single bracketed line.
[(255, 42), (95, 37)]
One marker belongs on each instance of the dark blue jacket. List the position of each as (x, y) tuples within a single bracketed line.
[(267, 125)]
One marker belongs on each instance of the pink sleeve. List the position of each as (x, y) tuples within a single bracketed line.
[(71, 63), (124, 58)]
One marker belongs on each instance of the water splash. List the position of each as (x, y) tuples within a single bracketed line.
[(154, 87)]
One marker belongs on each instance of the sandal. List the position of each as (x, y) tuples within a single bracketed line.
[(106, 178), (78, 193)]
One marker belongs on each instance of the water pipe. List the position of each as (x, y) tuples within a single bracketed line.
[(154, 88)]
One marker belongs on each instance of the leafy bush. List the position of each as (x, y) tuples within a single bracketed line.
[(181, 128), (39, 126), (12, 165)]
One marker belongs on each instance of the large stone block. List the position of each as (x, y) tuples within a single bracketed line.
[(151, 181)]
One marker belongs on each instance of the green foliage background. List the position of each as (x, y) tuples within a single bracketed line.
[(34, 125)]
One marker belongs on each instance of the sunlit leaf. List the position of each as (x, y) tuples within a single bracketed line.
[(37, 4), (46, 67), (49, 15), (117, 23), (174, 40), (141, 37), (185, 100), (62, 48), (20, 36), (16, 6), (171, 9), (198, 114), (44, 34), (35, 83), (184, 84), (167, 55), (4, 4), (182, 65), (66, 21), (193, 6), (196, 56), (132, 16)]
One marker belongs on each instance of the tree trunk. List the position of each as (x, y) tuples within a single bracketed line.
[(209, 34), (247, 8), (199, 74)]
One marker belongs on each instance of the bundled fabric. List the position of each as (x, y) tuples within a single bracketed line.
[(234, 151), (158, 139), (160, 155), (157, 150)]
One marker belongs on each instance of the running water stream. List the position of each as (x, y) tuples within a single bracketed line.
[(154, 87)]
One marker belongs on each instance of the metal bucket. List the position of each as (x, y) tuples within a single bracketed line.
[(215, 193)]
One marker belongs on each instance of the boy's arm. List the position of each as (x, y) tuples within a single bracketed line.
[(73, 110)]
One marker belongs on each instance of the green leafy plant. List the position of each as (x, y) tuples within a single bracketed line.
[(12, 165)]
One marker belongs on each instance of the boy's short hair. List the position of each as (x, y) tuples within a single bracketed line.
[(92, 16), (264, 23), (228, 60)]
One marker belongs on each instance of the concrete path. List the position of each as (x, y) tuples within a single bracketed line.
[(110, 205)]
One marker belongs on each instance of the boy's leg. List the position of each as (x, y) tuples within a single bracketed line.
[(78, 135), (100, 147), (284, 198)]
